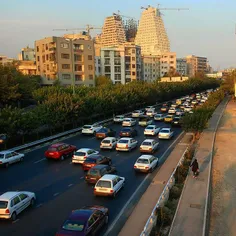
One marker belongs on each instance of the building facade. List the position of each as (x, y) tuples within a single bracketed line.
[(167, 63), (196, 65), (150, 68), (151, 34), (181, 66), (5, 60), (174, 79), (27, 54), (27, 67), (70, 59), (122, 64)]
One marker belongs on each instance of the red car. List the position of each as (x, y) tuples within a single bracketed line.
[(96, 159), (60, 151)]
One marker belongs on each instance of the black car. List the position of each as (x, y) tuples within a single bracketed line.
[(128, 132), (96, 159), (95, 173), (105, 132), (176, 121)]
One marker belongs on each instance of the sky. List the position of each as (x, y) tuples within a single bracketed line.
[(206, 29)]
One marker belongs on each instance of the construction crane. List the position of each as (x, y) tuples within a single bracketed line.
[(88, 29)]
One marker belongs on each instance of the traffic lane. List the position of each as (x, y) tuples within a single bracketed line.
[(84, 193)]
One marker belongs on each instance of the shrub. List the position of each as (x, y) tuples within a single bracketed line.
[(175, 192)]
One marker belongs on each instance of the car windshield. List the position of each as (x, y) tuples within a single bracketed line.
[(90, 160), (1, 156), (143, 161), (87, 126), (93, 172), (104, 184), (125, 130), (123, 141), (52, 149), (74, 225), (80, 154), (3, 204), (147, 143), (165, 131), (106, 141)]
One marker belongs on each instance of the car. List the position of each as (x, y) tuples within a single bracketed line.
[(188, 109), (13, 203), (176, 121), (80, 155), (151, 112), (105, 132), (10, 157), (144, 120), (126, 144), (166, 133), (91, 129), (172, 110), (179, 112), (96, 159), (164, 108), (137, 113), (3, 138), (129, 122), (85, 221), (60, 151), (118, 119), (146, 163), (149, 107), (194, 102), (108, 143), (151, 130), (149, 145), (174, 105), (96, 172), (109, 185), (128, 132), (159, 117), (168, 118)]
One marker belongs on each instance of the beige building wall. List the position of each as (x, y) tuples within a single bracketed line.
[(5, 60), (174, 79), (70, 59), (27, 67), (167, 63), (151, 34), (196, 64), (150, 68)]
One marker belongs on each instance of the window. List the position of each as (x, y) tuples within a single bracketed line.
[(117, 54), (47, 67), (106, 53), (38, 68), (133, 73), (46, 47), (78, 77), (16, 200), (23, 196), (117, 76), (38, 58), (90, 57), (65, 56), (117, 61), (78, 57), (64, 45), (90, 67), (107, 69), (133, 58), (78, 67), (65, 76), (133, 66), (107, 61), (65, 66), (78, 47), (37, 48), (89, 47), (91, 77), (43, 59), (117, 69), (133, 50)]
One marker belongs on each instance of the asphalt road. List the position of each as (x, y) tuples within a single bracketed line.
[(60, 185)]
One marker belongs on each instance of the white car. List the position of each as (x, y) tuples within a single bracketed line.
[(126, 144), (137, 113), (109, 185), (188, 109), (151, 130), (174, 105), (172, 110), (129, 122), (194, 102), (151, 112), (91, 129), (149, 145), (159, 117), (118, 119), (179, 112), (109, 143), (166, 133), (146, 163), (13, 203), (9, 157), (149, 107), (81, 154)]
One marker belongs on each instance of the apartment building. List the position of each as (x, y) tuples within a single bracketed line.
[(181, 66), (70, 59), (150, 68), (27, 54), (196, 64), (167, 63), (174, 79), (27, 67), (5, 60), (122, 64)]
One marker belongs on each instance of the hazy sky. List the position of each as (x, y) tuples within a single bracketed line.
[(206, 29)]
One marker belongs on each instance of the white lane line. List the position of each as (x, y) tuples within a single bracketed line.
[(39, 205), (92, 138), (55, 194), (133, 195), (44, 159), (70, 185), (82, 177), (15, 221), (117, 154), (71, 163)]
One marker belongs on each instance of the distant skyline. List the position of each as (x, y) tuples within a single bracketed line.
[(206, 29)]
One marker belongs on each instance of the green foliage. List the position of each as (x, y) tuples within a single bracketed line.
[(102, 81), (164, 216), (175, 192)]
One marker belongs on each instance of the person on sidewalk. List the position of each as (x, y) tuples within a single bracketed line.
[(195, 168)]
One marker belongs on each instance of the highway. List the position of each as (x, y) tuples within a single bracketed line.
[(60, 186)]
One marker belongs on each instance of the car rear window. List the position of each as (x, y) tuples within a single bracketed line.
[(1, 156), (3, 204), (104, 184), (126, 120), (90, 160), (74, 225), (125, 130), (143, 119), (80, 154), (123, 141), (147, 143), (165, 131), (143, 161), (106, 141), (87, 126), (149, 127), (52, 149), (102, 130), (93, 172)]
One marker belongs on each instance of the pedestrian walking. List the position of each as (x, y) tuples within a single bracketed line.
[(195, 168)]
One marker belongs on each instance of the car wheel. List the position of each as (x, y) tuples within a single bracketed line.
[(62, 158), (32, 202), (106, 219), (13, 216), (6, 165)]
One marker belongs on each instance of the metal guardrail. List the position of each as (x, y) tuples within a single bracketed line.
[(163, 197)]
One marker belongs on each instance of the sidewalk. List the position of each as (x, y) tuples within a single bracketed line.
[(189, 219), (223, 197)]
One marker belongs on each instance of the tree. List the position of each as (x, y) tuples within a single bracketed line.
[(102, 80)]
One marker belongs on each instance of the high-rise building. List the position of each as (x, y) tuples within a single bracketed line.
[(113, 32), (181, 66), (150, 68), (27, 54), (70, 59), (151, 35), (196, 65), (168, 64), (122, 64)]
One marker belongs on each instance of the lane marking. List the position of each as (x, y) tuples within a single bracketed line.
[(133, 195), (71, 163), (55, 194), (92, 138), (70, 185), (43, 159), (39, 205), (82, 177), (15, 221)]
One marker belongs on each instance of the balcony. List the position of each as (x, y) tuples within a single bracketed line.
[(52, 49), (77, 50)]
